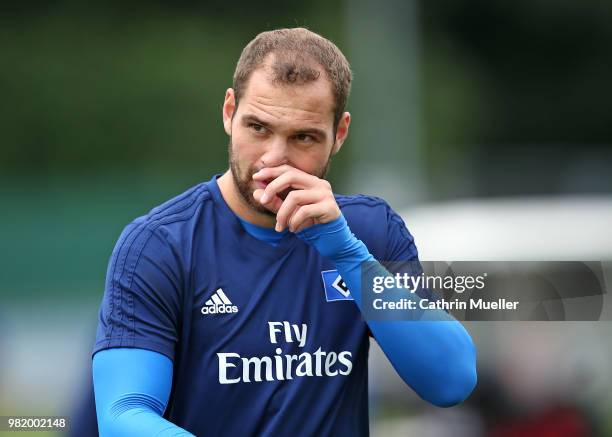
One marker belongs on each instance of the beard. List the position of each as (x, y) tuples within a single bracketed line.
[(243, 178)]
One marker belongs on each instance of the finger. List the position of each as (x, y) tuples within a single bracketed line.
[(272, 172), (321, 212), (293, 200), (306, 213), (304, 225), (273, 204), (290, 179)]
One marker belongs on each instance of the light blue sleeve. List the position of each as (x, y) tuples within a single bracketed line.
[(434, 354), (132, 387)]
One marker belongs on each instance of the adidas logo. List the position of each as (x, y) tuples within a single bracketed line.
[(219, 303)]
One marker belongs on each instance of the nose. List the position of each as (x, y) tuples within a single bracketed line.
[(276, 153)]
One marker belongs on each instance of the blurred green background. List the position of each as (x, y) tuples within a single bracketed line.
[(109, 108)]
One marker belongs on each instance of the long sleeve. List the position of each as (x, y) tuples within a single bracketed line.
[(132, 387), (433, 354)]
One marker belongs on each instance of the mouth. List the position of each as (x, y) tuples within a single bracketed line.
[(262, 184)]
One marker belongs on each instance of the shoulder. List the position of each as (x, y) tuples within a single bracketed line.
[(179, 209), (363, 209), (374, 222), (359, 201), (370, 210), (164, 224)]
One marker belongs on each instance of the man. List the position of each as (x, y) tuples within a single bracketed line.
[(234, 308)]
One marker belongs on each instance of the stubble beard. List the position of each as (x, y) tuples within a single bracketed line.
[(245, 183)]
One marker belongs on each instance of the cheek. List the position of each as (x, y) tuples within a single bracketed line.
[(311, 161), (244, 149), (240, 142)]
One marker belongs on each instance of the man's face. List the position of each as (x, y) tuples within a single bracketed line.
[(280, 124)]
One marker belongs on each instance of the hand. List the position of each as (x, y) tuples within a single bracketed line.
[(310, 200)]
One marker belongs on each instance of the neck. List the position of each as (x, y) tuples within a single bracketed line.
[(238, 205)]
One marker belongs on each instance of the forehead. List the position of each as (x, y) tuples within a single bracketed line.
[(312, 101)]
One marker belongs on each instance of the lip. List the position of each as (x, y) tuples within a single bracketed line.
[(261, 184)]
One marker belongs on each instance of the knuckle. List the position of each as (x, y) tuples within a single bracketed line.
[(328, 196), (293, 195)]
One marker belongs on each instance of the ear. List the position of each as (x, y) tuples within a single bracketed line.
[(341, 132), (229, 106)]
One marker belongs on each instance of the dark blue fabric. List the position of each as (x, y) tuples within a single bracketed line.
[(169, 279), (269, 235)]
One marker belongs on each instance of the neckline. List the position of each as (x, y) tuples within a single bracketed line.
[(269, 235), (245, 240)]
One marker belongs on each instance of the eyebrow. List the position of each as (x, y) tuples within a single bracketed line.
[(250, 118)]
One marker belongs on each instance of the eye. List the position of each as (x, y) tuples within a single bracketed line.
[(258, 128), (305, 138)]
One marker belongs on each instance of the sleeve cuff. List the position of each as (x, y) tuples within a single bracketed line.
[(312, 232), (134, 343)]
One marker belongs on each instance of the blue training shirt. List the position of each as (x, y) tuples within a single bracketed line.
[(265, 340)]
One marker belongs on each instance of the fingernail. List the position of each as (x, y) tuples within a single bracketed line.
[(264, 198)]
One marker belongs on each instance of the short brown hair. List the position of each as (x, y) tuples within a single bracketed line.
[(294, 52)]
